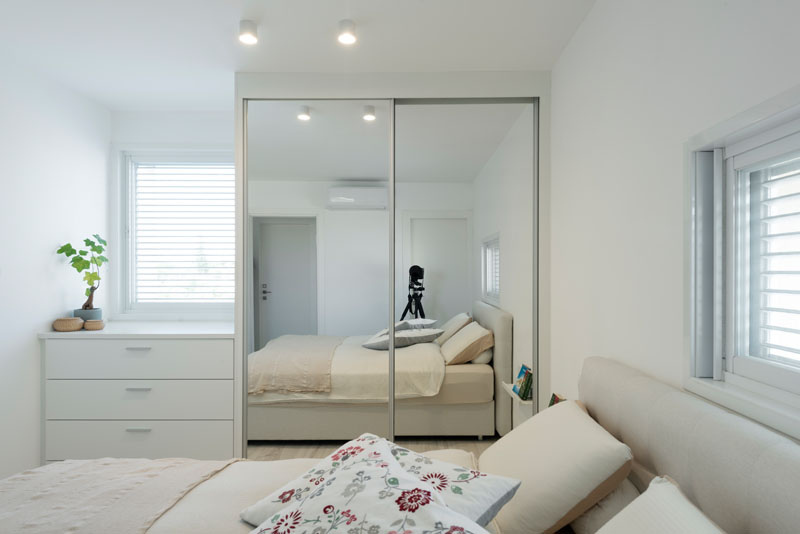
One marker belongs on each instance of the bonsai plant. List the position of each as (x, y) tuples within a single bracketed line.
[(87, 260)]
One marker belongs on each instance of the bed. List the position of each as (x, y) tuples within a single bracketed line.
[(741, 475), (460, 402)]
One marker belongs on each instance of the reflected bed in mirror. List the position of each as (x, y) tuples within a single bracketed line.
[(434, 399)]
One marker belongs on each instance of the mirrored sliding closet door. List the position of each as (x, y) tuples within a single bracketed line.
[(318, 269), (464, 255)]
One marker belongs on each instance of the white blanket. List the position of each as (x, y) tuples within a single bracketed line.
[(361, 375)]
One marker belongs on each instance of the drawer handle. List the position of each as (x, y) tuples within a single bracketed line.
[(137, 349), (138, 429), (138, 388)]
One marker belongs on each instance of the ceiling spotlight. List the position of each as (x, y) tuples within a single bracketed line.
[(304, 114), (248, 32), (347, 32), (369, 113)]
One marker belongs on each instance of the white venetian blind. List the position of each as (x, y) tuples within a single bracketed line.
[(775, 261), (491, 268), (182, 233)]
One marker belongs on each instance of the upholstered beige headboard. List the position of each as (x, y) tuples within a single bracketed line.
[(744, 476), (501, 323)]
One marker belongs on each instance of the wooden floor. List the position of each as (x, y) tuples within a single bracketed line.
[(285, 450)]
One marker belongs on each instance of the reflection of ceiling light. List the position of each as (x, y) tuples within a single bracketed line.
[(305, 114), (248, 32), (369, 113), (343, 200), (347, 32)]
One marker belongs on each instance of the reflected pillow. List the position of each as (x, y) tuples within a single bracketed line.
[(404, 338), (484, 357), (422, 323), (467, 344), (452, 326), (399, 326)]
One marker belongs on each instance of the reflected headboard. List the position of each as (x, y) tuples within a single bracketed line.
[(501, 323)]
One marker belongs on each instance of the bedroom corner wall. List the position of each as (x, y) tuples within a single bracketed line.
[(635, 82), (54, 147)]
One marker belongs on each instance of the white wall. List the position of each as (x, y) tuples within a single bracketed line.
[(636, 81), (503, 205), (354, 257), (173, 128), (54, 148)]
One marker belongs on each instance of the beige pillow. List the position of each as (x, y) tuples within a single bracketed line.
[(467, 344), (567, 463), (662, 509), (452, 326), (599, 514), (484, 357)]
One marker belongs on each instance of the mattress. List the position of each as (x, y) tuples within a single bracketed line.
[(462, 384)]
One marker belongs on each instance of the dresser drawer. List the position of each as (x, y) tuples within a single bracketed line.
[(139, 358), (139, 399), (203, 440)]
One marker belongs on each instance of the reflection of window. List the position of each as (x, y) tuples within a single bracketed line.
[(490, 260), (179, 233)]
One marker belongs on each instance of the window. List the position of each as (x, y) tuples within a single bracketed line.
[(179, 234), (490, 269), (746, 273)]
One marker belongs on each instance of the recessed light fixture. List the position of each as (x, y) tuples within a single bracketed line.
[(248, 32), (347, 32), (369, 113), (304, 114)]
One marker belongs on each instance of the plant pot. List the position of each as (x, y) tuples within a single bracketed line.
[(88, 315)]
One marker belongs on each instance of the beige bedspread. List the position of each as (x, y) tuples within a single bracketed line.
[(361, 375), (98, 496), (292, 363)]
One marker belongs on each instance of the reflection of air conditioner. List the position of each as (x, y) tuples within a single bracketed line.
[(358, 198)]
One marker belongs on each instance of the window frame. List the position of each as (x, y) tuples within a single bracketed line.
[(765, 390), (122, 224), (489, 243)]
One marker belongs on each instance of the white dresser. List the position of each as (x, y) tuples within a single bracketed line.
[(143, 390)]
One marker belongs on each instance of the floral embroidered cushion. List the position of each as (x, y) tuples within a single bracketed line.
[(367, 492), (474, 494)]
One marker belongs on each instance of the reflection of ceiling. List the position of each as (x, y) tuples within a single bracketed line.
[(434, 142)]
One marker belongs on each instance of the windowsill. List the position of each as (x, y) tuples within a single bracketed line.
[(151, 329), (774, 414)]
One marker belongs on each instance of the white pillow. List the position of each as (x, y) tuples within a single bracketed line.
[(567, 463), (474, 494), (404, 338), (398, 327), (662, 509), (467, 344), (599, 514), (422, 323), (369, 492), (452, 326), (484, 357)]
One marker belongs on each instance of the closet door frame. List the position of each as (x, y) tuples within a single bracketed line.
[(395, 87)]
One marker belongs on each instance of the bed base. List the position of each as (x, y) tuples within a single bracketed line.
[(347, 421)]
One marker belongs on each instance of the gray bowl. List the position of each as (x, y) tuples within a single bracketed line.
[(88, 315)]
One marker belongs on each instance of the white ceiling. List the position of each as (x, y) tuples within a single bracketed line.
[(181, 54), (434, 142)]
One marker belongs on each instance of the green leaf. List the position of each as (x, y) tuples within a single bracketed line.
[(88, 291), (80, 264), (463, 476), (100, 239), (456, 489), (91, 277), (88, 242), (393, 481), (83, 252), (102, 260), (67, 250), (97, 249)]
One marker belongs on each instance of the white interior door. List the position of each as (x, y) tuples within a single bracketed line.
[(441, 244), (286, 278)]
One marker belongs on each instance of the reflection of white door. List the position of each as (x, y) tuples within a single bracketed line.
[(286, 284), (441, 244)]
